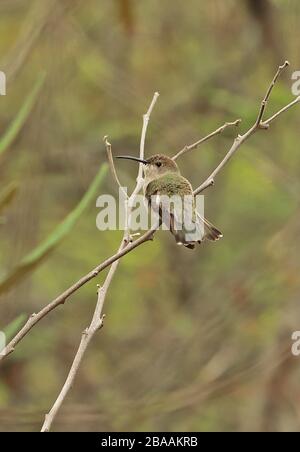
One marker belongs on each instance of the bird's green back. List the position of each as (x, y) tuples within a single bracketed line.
[(169, 184)]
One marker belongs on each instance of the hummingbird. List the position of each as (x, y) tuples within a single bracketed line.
[(162, 179)]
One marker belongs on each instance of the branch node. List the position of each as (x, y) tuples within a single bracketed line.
[(102, 321), (128, 239), (151, 236), (193, 146), (263, 126)]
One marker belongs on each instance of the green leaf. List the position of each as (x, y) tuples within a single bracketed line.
[(13, 327), (7, 195), (19, 121), (38, 254)]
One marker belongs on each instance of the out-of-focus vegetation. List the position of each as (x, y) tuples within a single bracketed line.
[(192, 340), (29, 262)]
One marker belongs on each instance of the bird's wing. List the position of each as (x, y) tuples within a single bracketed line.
[(172, 199)]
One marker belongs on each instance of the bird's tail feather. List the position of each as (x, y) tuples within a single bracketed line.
[(210, 231)]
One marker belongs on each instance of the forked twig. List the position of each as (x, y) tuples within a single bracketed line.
[(195, 145), (97, 319), (112, 165)]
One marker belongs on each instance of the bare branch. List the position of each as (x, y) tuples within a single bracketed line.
[(258, 125), (35, 318), (282, 110), (130, 245), (112, 165), (97, 320), (268, 93), (87, 336), (146, 118), (193, 146), (139, 180)]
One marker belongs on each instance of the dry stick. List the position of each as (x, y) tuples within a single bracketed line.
[(35, 318), (268, 93), (87, 336), (97, 320), (282, 110), (112, 165), (240, 139), (193, 146), (139, 180)]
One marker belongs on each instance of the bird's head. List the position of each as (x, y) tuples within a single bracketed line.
[(155, 166)]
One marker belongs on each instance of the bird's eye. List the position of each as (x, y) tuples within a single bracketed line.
[(158, 164)]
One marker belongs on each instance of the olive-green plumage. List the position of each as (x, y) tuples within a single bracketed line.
[(171, 184), (162, 178)]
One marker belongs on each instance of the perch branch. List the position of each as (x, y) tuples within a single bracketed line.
[(258, 125), (268, 93), (35, 318), (112, 165), (86, 337), (97, 319), (139, 180), (193, 146), (282, 110)]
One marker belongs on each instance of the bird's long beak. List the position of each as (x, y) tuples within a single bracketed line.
[(129, 157)]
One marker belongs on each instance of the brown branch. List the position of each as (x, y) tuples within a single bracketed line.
[(282, 110), (35, 318), (268, 93), (139, 179), (112, 165), (97, 319), (258, 125), (86, 337), (195, 145)]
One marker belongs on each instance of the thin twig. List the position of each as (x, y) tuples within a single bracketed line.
[(36, 317), (112, 165), (268, 93), (193, 146), (258, 125), (139, 180), (130, 245), (146, 118), (87, 336), (282, 110)]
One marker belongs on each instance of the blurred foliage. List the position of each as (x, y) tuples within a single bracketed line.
[(38, 254), (14, 326), (192, 340), (19, 120), (7, 195)]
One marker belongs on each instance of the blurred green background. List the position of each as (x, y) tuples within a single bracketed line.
[(193, 341)]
